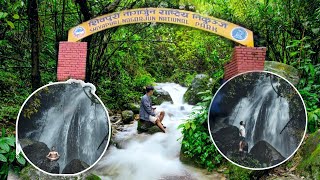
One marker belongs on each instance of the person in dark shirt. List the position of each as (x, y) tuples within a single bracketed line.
[(148, 113)]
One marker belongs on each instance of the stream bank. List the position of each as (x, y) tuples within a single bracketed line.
[(134, 155)]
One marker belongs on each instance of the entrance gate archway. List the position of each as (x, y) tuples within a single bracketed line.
[(72, 54)]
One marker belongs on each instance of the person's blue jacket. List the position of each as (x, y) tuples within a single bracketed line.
[(146, 108)]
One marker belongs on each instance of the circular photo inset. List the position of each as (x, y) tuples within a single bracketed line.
[(63, 128), (257, 120)]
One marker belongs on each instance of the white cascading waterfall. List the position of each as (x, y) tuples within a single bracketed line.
[(265, 114), (175, 91), (75, 126), (144, 156)]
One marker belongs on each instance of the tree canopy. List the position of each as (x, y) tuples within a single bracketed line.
[(123, 59)]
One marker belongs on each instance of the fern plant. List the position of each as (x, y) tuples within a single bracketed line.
[(8, 158)]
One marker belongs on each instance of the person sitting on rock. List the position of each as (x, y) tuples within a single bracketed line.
[(242, 133), (148, 113), (53, 154)]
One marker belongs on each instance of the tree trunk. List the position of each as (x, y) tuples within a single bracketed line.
[(87, 16), (33, 18)]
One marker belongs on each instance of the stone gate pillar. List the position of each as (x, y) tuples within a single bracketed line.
[(72, 60), (245, 59)]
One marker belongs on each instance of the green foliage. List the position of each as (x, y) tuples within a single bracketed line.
[(8, 158), (123, 89), (12, 95), (311, 165), (125, 59), (8, 12), (237, 173), (143, 80), (289, 30), (32, 108), (196, 143), (93, 177), (9, 112), (314, 120), (309, 84), (185, 78), (310, 157), (249, 161), (158, 53)]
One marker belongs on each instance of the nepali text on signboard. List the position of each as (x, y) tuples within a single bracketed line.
[(163, 15)]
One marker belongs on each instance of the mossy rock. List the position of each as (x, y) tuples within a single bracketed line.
[(26, 142), (36, 153), (75, 166), (310, 144), (200, 83), (135, 108), (127, 116), (248, 161), (284, 70), (237, 173), (310, 165), (31, 173), (27, 173), (160, 96), (147, 127)]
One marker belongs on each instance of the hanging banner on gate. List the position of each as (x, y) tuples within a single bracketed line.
[(163, 15)]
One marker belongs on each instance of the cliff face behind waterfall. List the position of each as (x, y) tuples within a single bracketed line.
[(270, 107), (70, 118), (265, 114)]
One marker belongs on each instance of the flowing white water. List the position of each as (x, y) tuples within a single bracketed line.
[(75, 126), (175, 90), (148, 157), (265, 114)]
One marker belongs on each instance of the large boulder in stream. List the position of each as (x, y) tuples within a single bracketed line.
[(147, 127), (115, 118), (37, 153), (227, 139), (160, 95), (266, 154), (127, 116), (49, 166), (200, 83), (75, 166), (134, 107)]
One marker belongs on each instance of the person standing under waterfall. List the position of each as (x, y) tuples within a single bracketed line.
[(148, 113), (242, 133), (53, 154)]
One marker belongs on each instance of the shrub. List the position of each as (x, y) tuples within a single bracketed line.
[(8, 158), (196, 143)]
